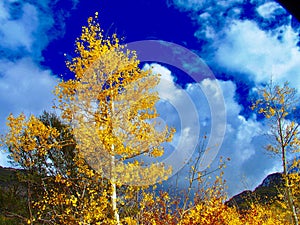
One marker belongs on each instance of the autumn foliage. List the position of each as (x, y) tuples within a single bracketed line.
[(86, 165)]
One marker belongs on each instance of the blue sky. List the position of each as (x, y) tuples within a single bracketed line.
[(243, 43)]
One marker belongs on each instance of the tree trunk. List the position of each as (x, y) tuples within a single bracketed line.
[(112, 174), (114, 191), (288, 189)]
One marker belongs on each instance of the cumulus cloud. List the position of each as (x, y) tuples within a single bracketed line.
[(214, 17), (248, 42), (178, 110), (268, 10), (211, 16), (19, 32), (247, 49), (26, 28), (255, 39), (243, 142), (25, 86)]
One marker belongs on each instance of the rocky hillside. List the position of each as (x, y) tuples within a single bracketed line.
[(266, 192)]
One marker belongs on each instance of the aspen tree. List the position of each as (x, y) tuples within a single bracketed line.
[(277, 104), (111, 107), (109, 111)]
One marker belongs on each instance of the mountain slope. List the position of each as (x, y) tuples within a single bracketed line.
[(266, 192)]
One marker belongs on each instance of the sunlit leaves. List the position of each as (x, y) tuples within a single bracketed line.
[(28, 139), (87, 167), (276, 101), (278, 105), (111, 107), (111, 103)]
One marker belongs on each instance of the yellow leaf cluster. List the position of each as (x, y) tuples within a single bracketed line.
[(31, 137), (111, 104)]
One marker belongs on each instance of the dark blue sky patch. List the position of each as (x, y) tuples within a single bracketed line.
[(131, 20), (15, 10)]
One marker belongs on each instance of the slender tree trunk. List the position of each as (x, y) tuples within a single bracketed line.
[(113, 178), (288, 189), (114, 191)]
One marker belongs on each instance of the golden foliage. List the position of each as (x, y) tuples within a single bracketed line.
[(111, 104), (88, 173), (278, 104)]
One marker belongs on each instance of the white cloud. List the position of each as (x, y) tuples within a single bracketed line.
[(211, 15), (27, 28), (19, 33), (243, 144), (247, 42), (247, 38), (25, 86), (243, 141), (179, 111), (249, 50), (267, 10)]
